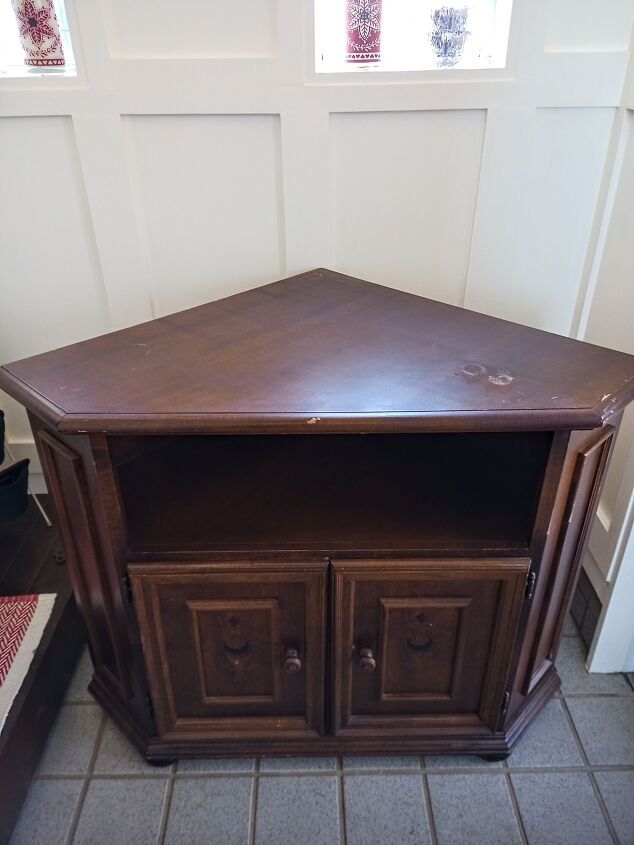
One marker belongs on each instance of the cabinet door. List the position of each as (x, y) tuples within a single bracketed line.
[(561, 579), (233, 647), (423, 645)]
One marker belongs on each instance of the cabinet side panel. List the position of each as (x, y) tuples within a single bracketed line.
[(92, 549), (112, 530), (67, 483)]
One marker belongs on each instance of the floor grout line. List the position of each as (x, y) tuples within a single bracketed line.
[(431, 823), (341, 801), (627, 694), (516, 807), (603, 808), (593, 783), (575, 733), (436, 770), (167, 807), (255, 786), (86, 780)]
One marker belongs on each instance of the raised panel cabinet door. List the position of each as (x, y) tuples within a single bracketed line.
[(423, 645), (233, 648)]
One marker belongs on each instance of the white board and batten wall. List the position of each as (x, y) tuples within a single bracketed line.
[(197, 154)]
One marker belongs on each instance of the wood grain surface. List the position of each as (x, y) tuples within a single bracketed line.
[(324, 352)]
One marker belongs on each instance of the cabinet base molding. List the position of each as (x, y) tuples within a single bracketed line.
[(532, 706), (159, 752), (120, 714)]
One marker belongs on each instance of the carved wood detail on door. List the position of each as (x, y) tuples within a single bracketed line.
[(237, 650), (422, 647)]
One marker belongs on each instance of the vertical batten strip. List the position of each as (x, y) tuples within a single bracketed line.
[(102, 158), (305, 138), (305, 146), (101, 152)]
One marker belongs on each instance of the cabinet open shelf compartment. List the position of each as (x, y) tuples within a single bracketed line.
[(330, 492)]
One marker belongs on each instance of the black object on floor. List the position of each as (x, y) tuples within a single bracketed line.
[(28, 565), (13, 483)]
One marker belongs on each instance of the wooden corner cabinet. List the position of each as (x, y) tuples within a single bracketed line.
[(324, 516)]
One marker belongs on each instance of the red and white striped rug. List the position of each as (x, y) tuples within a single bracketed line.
[(22, 623)]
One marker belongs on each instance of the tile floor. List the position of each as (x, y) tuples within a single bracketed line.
[(570, 780)]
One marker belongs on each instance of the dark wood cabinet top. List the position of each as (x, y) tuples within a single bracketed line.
[(323, 352)]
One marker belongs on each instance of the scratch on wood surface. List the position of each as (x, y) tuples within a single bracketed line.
[(313, 420)]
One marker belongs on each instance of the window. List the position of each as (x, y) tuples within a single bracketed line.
[(36, 18), (405, 35)]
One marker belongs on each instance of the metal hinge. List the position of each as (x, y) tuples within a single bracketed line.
[(505, 703), (530, 584)]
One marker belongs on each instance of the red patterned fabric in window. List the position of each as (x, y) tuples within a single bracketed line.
[(363, 25), (39, 33)]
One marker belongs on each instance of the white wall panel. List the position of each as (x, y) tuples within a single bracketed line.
[(164, 29), (540, 181), (404, 191), (569, 158), (209, 200), (611, 317), (589, 24), (50, 281)]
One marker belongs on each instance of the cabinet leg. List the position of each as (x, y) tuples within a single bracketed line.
[(160, 764)]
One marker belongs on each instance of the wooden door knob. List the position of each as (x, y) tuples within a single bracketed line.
[(367, 661), (292, 661)]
